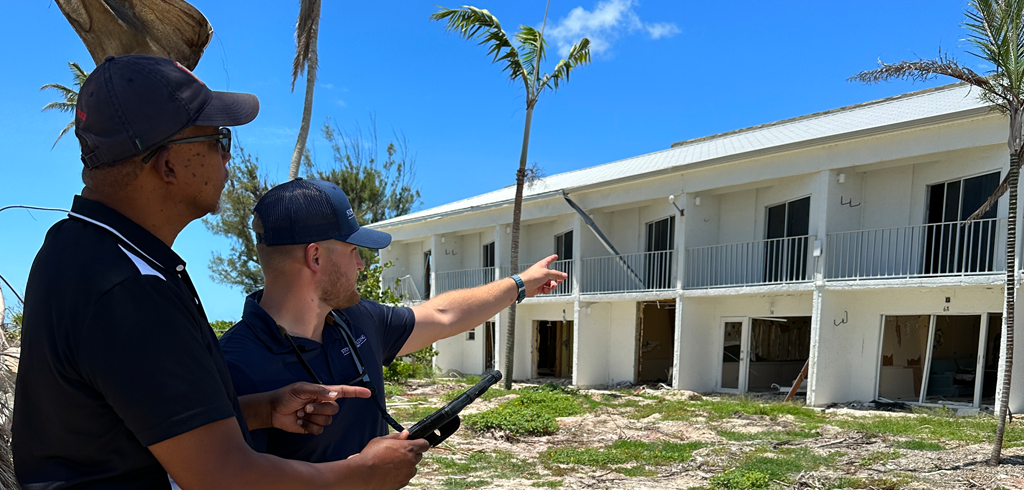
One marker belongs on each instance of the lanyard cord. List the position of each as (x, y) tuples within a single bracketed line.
[(364, 377)]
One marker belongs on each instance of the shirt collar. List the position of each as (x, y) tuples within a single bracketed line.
[(265, 327), (140, 238)]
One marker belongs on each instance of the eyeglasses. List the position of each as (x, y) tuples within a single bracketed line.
[(223, 137), (361, 379)]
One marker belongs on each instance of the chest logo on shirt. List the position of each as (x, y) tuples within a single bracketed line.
[(359, 343)]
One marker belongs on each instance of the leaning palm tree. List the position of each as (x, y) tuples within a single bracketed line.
[(523, 65), (996, 30), (70, 97), (305, 59)]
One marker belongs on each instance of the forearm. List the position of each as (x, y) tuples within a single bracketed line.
[(256, 410), (457, 311)]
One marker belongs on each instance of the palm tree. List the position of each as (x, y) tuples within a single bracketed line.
[(305, 58), (997, 35), (70, 97), (523, 65)]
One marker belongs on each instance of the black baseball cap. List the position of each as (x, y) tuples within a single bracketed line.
[(307, 211), (132, 104)]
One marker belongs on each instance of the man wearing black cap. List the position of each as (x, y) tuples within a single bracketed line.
[(309, 323), (122, 382)]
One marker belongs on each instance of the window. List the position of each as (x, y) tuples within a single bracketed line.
[(563, 245), (488, 255), (951, 248), (471, 335), (786, 230), (563, 248)]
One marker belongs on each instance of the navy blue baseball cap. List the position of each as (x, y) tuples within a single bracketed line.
[(307, 211), (132, 104)]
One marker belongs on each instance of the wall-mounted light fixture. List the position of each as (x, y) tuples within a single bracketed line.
[(842, 178), (508, 229), (696, 201), (442, 239), (672, 201)]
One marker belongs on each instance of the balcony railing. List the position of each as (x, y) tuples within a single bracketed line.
[(774, 261), (648, 271), (935, 250), (467, 278), (559, 265)]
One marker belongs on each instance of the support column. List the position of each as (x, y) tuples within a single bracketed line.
[(818, 229), (680, 239)]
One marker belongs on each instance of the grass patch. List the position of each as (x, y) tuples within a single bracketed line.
[(533, 412), (768, 435), (547, 484), (494, 464), (915, 445), (623, 452), (868, 483), (759, 470), (729, 407), (880, 457), (462, 484), (935, 426), (391, 390), (411, 413)]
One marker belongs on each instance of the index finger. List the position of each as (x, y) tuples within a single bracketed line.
[(345, 391), (547, 261)]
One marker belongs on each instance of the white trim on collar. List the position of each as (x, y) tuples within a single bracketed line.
[(108, 228)]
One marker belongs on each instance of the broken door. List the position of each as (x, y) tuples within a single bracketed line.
[(778, 348), (734, 355), (904, 348)]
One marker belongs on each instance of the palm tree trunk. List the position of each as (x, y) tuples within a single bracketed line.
[(307, 111), (1011, 261), (517, 211)]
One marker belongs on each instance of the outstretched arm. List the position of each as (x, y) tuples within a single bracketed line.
[(457, 311)]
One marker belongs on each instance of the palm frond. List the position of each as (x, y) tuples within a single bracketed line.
[(66, 92), (579, 54), (306, 30), (925, 69), (68, 107), (474, 23), (531, 51), (997, 36), (77, 73), (63, 132)]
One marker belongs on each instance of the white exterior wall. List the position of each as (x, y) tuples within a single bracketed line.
[(885, 185)]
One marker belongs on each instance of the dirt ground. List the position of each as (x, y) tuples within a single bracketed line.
[(960, 465)]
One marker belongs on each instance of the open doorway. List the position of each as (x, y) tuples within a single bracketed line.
[(489, 338), (655, 341), (553, 348), (779, 347), (947, 359)]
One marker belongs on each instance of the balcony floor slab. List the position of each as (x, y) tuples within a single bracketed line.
[(749, 290), (917, 282)]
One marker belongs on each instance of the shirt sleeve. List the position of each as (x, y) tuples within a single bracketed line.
[(395, 326), (145, 352)]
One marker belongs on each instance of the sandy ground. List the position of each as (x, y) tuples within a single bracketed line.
[(960, 466)]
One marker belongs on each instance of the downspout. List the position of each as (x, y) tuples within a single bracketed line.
[(604, 240)]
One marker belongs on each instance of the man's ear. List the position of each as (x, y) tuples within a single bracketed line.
[(163, 166), (313, 256)]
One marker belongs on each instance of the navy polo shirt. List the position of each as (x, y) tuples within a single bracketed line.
[(260, 359), (116, 355)]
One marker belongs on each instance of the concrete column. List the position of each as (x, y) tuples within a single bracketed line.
[(819, 228), (680, 239)]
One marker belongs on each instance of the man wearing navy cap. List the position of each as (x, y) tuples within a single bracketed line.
[(309, 323), (122, 383)]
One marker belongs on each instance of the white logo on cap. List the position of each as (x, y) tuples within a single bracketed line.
[(351, 214)]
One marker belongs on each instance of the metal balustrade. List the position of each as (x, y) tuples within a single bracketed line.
[(648, 271), (463, 279), (933, 250), (559, 265), (773, 261)]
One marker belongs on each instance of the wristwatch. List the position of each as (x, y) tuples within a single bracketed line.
[(522, 288)]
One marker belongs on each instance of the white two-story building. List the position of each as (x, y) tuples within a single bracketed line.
[(727, 262)]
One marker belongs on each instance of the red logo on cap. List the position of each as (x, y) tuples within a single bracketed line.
[(80, 114), (186, 70)]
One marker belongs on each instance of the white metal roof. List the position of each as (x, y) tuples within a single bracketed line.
[(914, 109)]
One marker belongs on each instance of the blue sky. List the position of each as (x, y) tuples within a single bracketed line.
[(663, 71)]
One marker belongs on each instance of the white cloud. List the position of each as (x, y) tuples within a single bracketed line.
[(327, 86), (609, 20), (342, 103)]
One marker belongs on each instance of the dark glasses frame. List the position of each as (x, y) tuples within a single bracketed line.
[(223, 137)]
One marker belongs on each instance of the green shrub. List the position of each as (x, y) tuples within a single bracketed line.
[(418, 365), (623, 452), (533, 412), (221, 326)]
